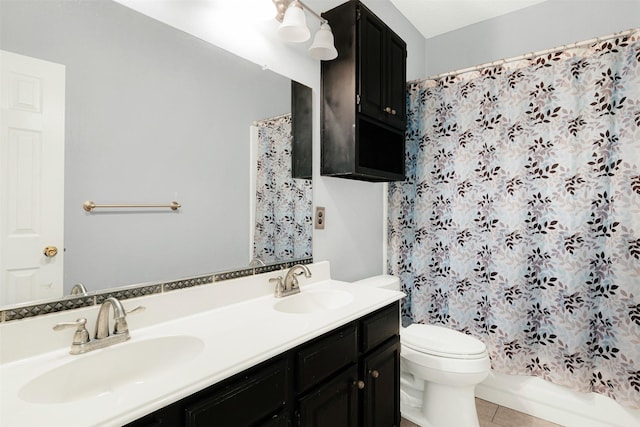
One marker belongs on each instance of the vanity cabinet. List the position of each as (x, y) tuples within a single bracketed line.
[(256, 397), (351, 377), (346, 377), (363, 105)]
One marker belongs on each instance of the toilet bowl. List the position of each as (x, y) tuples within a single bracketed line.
[(439, 370)]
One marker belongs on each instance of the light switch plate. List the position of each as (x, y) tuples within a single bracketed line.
[(320, 218)]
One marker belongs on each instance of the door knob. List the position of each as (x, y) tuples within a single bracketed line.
[(50, 251)]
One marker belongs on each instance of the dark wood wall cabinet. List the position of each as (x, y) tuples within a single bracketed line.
[(301, 130), (347, 377), (363, 105)]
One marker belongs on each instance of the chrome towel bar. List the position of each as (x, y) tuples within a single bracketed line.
[(89, 205)]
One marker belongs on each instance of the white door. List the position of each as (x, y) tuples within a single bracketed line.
[(32, 102)]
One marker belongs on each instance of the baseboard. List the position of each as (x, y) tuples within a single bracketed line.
[(554, 403)]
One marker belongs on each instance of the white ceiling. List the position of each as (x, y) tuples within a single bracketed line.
[(434, 17)]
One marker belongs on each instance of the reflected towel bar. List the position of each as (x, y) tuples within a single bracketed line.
[(89, 206)]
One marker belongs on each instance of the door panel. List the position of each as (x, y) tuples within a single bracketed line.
[(381, 375), (31, 178), (372, 39), (396, 78), (334, 404)]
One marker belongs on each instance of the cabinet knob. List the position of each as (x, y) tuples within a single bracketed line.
[(359, 384), (393, 112), (387, 110), (374, 374)]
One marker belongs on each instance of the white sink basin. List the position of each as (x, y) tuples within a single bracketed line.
[(312, 301), (105, 370)]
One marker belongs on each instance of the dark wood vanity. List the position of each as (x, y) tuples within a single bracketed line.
[(349, 376)]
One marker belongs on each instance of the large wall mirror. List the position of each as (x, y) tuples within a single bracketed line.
[(151, 115)]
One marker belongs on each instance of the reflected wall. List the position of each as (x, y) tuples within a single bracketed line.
[(153, 115)]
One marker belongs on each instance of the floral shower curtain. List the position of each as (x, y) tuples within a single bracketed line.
[(519, 221), (283, 204)]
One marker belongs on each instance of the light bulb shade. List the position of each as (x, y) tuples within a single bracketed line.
[(323, 44), (294, 25)]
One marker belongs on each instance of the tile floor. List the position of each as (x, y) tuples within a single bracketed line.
[(492, 415)]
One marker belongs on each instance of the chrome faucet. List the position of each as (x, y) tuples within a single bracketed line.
[(79, 289), (256, 262), (290, 285), (82, 343), (119, 315), (290, 280)]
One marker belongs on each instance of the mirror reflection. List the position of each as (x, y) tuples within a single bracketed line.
[(151, 115), (283, 204)]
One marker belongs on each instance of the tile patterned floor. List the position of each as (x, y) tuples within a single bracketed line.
[(492, 415)]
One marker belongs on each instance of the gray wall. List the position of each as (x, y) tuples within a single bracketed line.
[(542, 26), (152, 115)]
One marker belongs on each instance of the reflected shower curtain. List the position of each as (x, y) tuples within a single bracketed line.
[(283, 204), (519, 221)]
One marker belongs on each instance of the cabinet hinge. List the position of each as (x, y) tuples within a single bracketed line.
[(298, 422), (358, 13), (358, 99)]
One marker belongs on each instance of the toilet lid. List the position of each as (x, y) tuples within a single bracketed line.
[(440, 341)]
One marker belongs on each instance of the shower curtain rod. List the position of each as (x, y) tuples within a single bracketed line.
[(258, 122), (528, 55)]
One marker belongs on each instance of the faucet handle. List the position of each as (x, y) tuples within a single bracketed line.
[(138, 309), (121, 325), (279, 286), (81, 336), (294, 280)]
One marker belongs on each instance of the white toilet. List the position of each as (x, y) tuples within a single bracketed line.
[(439, 371)]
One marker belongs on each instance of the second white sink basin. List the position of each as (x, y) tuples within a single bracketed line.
[(311, 301), (104, 371)]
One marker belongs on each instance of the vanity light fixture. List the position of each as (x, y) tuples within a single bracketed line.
[(294, 24), (323, 44), (293, 28)]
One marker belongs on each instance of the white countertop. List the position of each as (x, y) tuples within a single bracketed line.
[(235, 336)]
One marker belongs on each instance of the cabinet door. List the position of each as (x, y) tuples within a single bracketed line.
[(249, 401), (382, 72), (279, 420), (381, 375), (371, 66), (396, 79), (334, 404), (326, 355)]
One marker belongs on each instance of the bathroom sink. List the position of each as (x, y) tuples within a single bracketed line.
[(312, 301), (106, 370)]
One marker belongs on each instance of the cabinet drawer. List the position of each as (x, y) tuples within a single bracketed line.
[(334, 404), (244, 402), (380, 326), (320, 359)]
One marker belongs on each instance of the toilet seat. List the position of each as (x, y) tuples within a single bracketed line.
[(442, 342)]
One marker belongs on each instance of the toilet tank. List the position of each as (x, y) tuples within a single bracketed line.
[(385, 281)]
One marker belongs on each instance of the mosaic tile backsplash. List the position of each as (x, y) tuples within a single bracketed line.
[(75, 302)]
